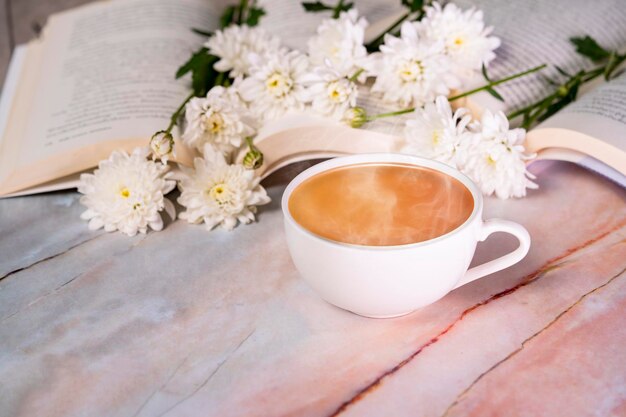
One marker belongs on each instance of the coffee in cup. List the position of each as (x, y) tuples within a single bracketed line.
[(381, 204)]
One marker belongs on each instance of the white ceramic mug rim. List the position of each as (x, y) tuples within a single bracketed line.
[(382, 158)]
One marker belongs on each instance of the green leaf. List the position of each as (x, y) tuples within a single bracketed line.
[(549, 81), (346, 7), (526, 121), (315, 6), (228, 16), (484, 71), (553, 108), (244, 13), (191, 62), (203, 75), (318, 6), (413, 5), (494, 93), (254, 15), (490, 90), (202, 32), (562, 71), (588, 47), (341, 7), (203, 78)]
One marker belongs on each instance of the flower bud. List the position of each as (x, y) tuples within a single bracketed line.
[(253, 159), (355, 117), (162, 145)]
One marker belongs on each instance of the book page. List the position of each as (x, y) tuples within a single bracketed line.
[(595, 125), (593, 164), (537, 32), (108, 75), (600, 113)]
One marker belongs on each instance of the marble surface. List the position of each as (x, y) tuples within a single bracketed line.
[(190, 323)]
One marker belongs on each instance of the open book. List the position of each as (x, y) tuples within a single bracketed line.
[(101, 78)]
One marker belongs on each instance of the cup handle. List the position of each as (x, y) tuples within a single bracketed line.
[(492, 226)]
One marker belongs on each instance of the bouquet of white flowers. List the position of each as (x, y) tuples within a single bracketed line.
[(243, 77)]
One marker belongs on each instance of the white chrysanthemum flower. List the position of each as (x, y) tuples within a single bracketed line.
[(496, 158), (126, 193), (341, 42), (236, 44), (466, 38), (411, 70), (219, 194), (220, 119), (331, 93), (436, 133), (277, 85)]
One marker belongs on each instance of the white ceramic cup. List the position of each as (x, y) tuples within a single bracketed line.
[(391, 281)]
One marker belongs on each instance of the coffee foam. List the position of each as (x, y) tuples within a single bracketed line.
[(381, 204)]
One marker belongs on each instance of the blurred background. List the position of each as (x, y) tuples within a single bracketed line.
[(22, 20)]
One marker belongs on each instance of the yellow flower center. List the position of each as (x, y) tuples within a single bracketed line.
[(125, 192), (436, 136), (411, 70), (220, 193), (278, 85), (214, 123), (459, 41), (335, 93), (491, 161)]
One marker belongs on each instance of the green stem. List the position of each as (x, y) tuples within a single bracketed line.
[(497, 82), (465, 94), (337, 10), (523, 110), (545, 102), (537, 113), (378, 40), (242, 8), (356, 75), (594, 73), (176, 115), (390, 114)]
